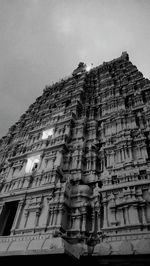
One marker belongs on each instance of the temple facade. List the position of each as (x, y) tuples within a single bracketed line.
[(75, 168)]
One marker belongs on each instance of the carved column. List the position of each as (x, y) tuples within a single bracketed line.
[(38, 212), (26, 214), (112, 158), (53, 178), (17, 216), (111, 210), (147, 213), (120, 215), (79, 162), (133, 214), (119, 155), (130, 152), (94, 162), (93, 219), (73, 221), (142, 205), (55, 216), (126, 215), (51, 216), (99, 225), (47, 219), (123, 154), (144, 152), (126, 153), (105, 224), (59, 216), (83, 228), (77, 222)]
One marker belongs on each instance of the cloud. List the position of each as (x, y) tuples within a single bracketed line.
[(42, 41)]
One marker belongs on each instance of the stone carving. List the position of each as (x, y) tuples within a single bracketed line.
[(92, 183)]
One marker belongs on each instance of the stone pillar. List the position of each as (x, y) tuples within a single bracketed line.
[(74, 162), (51, 216), (94, 163), (90, 163), (73, 222), (147, 213), (79, 162), (126, 215), (26, 217), (109, 158), (126, 154), (130, 153), (77, 222), (83, 229), (112, 128), (47, 219), (55, 216), (144, 152), (113, 218), (102, 164), (133, 214), (122, 155), (105, 224), (59, 216), (120, 215), (17, 216), (119, 155), (112, 158), (99, 221), (93, 220), (143, 213), (38, 212), (111, 210), (53, 178)]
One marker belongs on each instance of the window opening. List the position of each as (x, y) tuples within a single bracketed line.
[(32, 163), (68, 102), (7, 217), (47, 133), (35, 166)]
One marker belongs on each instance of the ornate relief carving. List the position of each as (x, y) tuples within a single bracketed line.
[(92, 182)]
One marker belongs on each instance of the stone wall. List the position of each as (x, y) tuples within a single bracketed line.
[(91, 182)]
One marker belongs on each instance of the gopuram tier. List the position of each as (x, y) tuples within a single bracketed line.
[(75, 168)]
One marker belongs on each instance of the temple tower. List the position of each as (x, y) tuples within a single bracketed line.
[(75, 168)]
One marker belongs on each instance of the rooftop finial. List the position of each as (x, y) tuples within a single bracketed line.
[(81, 68), (125, 55)]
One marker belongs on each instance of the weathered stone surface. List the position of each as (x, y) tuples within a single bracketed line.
[(102, 249), (74, 170), (143, 247), (56, 243), (35, 244), (126, 248), (4, 246), (17, 246)]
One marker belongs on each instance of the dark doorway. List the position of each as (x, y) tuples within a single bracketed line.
[(7, 217)]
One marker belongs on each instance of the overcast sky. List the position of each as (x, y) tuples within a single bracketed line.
[(41, 41)]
